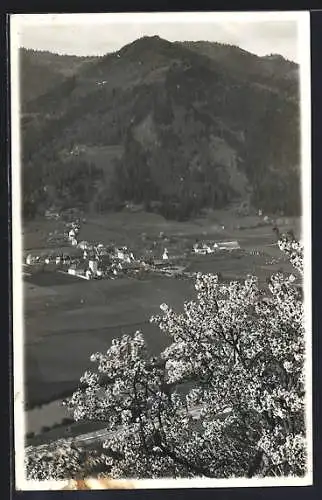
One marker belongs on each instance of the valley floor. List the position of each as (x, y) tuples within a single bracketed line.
[(67, 320)]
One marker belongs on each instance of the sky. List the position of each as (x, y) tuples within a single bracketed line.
[(98, 34)]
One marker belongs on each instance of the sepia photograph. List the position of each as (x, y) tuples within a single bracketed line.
[(161, 239)]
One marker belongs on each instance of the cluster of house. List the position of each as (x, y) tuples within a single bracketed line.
[(112, 262), (99, 260), (88, 265), (94, 261), (48, 259), (203, 248), (89, 271)]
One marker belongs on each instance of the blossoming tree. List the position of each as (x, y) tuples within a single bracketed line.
[(225, 399)]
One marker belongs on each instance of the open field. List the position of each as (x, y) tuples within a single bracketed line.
[(126, 228), (63, 328), (67, 319)]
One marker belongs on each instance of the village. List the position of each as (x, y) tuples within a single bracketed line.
[(95, 260)]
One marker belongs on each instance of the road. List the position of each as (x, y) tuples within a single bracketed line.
[(104, 434)]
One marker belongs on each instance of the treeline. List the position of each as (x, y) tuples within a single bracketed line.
[(158, 179), (64, 184)]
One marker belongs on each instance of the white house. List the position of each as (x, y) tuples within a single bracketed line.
[(203, 249), (92, 265), (71, 234), (73, 242), (120, 254), (165, 255), (199, 249), (29, 259), (208, 249)]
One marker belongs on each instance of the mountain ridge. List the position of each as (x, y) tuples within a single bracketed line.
[(176, 110)]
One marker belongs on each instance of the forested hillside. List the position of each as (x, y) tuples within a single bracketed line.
[(180, 126)]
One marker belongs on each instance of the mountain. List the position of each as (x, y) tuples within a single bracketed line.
[(273, 70), (178, 126), (41, 71)]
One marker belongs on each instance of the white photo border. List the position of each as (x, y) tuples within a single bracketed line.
[(17, 21)]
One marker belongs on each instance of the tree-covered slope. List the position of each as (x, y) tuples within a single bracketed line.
[(199, 124)]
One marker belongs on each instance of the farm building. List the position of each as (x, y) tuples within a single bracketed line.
[(207, 248), (228, 245), (204, 248)]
